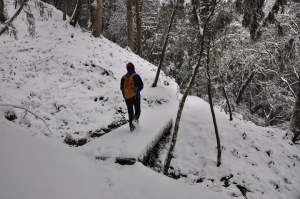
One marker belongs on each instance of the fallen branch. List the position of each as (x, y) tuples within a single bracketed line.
[(15, 106), (105, 71)]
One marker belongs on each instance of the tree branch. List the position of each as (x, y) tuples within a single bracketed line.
[(15, 106), (8, 23)]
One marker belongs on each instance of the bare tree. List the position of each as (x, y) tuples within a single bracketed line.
[(97, 28), (189, 87), (295, 120), (162, 55), (76, 13), (227, 103), (244, 86), (209, 91), (129, 24), (138, 27)]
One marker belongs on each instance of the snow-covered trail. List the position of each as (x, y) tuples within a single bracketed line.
[(121, 143), (32, 169)]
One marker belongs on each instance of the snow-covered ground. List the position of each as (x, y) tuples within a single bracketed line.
[(72, 81)]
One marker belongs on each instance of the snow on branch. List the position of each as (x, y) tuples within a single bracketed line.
[(289, 87), (38, 117)]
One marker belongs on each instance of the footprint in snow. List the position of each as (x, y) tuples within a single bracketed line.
[(123, 141), (109, 183)]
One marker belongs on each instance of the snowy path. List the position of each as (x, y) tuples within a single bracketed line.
[(132, 146)]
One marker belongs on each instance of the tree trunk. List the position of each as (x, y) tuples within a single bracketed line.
[(150, 51), (162, 56), (2, 16), (97, 29), (138, 27), (76, 13), (209, 91), (295, 120), (149, 54), (114, 6), (56, 3), (185, 94), (7, 24), (64, 9), (242, 89), (91, 12), (228, 104), (129, 25), (16, 4)]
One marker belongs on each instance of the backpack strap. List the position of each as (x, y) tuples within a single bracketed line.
[(126, 76), (132, 75)]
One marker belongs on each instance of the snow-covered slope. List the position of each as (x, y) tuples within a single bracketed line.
[(261, 162), (72, 81)]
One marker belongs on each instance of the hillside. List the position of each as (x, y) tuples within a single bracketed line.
[(72, 81)]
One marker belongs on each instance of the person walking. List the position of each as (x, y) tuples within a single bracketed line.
[(131, 86)]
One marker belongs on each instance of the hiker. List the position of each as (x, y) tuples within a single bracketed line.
[(131, 85)]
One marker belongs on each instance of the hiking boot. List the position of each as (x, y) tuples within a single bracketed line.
[(132, 127), (135, 121)]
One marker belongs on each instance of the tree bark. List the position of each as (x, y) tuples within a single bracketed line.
[(2, 16), (209, 91), (91, 12), (97, 29), (138, 27), (295, 120), (162, 56), (64, 9), (76, 13), (56, 3), (7, 24), (149, 54), (242, 89), (129, 25), (228, 104), (114, 5), (185, 94)]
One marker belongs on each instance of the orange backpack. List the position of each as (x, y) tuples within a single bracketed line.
[(128, 88)]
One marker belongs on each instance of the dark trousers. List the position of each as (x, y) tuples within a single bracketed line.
[(133, 113)]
